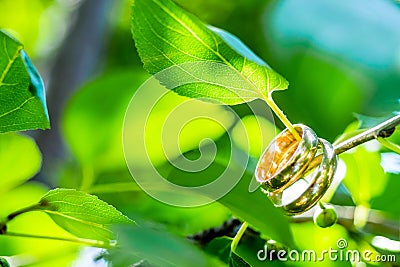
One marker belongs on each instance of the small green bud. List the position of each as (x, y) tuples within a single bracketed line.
[(4, 262), (325, 215)]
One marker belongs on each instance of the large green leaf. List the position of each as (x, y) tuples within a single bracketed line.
[(213, 64), (365, 177), (247, 252), (387, 201), (220, 247), (159, 248), (22, 95), (82, 214), (20, 159), (253, 207), (369, 122), (236, 261), (98, 142), (317, 240), (93, 119)]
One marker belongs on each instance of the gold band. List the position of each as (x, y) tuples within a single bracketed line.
[(287, 161)]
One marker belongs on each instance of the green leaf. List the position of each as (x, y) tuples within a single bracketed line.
[(15, 151), (213, 64), (98, 144), (385, 201), (93, 131), (220, 247), (159, 248), (247, 252), (22, 95), (369, 122), (236, 261), (81, 214), (311, 237), (365, 177), (4, 262), (262, 215), (38, 223)]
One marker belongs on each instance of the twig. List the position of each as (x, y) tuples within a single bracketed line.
[(376, 222), (82, 241), (385, 129), (11, 216), (22, 211)]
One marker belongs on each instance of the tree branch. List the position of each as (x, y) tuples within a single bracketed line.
[(376, 222), (385, 129)]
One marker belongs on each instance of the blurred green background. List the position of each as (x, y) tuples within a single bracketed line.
[(340, 57)]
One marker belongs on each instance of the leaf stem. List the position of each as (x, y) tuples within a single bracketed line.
[(22, 211), (392, 146), (384, 129), (238, 236), (279, 113), (83, 241)]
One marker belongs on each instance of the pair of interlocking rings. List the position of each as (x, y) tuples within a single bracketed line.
[(287, 161)]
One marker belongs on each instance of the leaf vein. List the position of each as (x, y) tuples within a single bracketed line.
[(17, 108)]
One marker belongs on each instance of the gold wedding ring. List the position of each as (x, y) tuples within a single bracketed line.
[(287, 161)]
